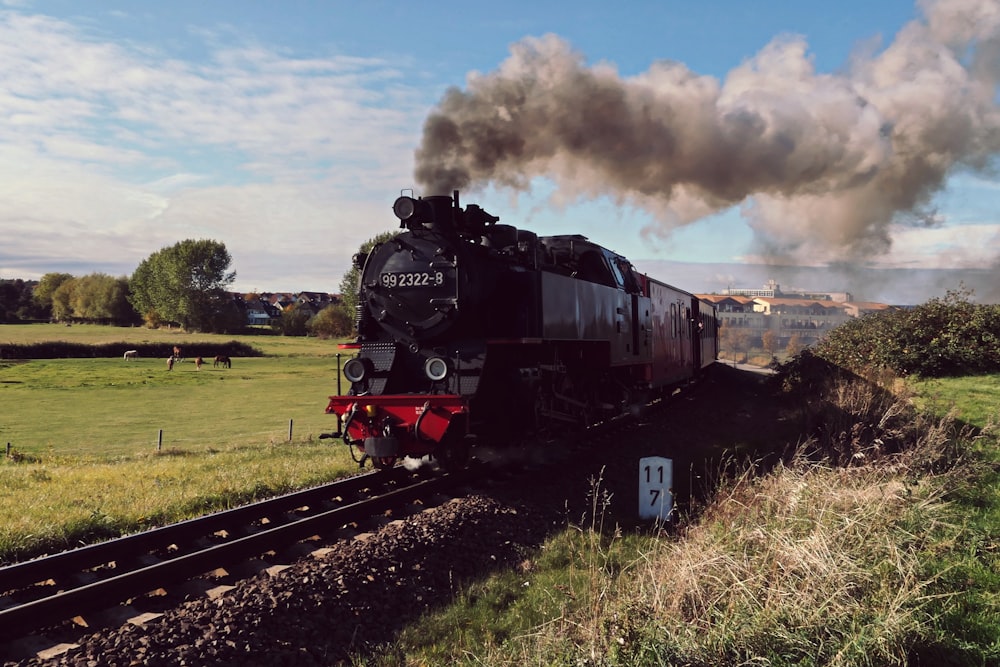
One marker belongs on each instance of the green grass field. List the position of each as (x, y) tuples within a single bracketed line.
[(975, 398), (108, 408), (85, 433)]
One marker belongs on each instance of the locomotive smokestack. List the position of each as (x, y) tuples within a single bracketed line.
[(822, 164)]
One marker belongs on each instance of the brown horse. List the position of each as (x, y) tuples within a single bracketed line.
[(222, 360), (177, 353), (198, 361)]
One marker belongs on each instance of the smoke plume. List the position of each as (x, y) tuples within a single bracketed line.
[(822, 164)]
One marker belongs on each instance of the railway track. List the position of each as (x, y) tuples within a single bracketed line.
[(48, 591), (52, 598)]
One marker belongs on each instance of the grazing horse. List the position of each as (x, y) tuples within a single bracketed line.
[(170, 363), (198, 361), (131, 354), (177, 353), (223, 361)]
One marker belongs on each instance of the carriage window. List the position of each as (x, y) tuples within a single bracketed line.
[(673, 320)]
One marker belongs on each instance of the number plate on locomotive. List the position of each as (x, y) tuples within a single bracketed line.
[(413, 279)]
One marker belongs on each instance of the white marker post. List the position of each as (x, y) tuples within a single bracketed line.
[(656, 481)]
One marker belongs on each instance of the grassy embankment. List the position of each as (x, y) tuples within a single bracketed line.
[(84, 433), (889, 560)]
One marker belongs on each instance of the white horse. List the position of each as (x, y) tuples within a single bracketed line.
[(131, 354)]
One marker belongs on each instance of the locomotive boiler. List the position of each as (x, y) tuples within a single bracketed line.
[(471, 330)]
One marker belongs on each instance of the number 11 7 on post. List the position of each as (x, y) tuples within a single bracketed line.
[(656, 481)]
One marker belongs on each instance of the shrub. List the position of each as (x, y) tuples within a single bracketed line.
[(943, 337), (331, 322)]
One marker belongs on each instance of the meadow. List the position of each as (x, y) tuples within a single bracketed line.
[(107, 408), (86, 456)]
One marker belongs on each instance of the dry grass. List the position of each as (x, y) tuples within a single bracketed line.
[(859, 549), (812, 563), (840, 555)]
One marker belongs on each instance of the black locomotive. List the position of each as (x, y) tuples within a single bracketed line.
[(470, 329)]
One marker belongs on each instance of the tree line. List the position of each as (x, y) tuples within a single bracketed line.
[(184, 285), (60, 296)]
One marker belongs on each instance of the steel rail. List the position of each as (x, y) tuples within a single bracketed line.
[(19, 575), (66, 604)]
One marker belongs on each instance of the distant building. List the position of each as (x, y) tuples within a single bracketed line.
[(313, 302), (770, 289), (808, 315), (265, 308), (773, 290)]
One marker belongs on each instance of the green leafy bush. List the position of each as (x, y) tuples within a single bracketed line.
[(943, 337)]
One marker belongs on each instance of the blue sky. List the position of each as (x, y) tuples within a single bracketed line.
[(285, 130)]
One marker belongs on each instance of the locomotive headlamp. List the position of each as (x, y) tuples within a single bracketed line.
[(404, 207), (356, 370), (436, 369), (371, 410), (413, 213)]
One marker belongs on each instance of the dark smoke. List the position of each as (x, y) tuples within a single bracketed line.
[(822, 164)]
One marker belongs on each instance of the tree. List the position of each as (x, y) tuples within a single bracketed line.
[(794, 345), (47, 286), (349, 283), (734, 339), (331, 322), (229, 317), (115, 297), (294, 320), (101, 298), (62, 297), (769, 341), (184, 283), (16, 302)]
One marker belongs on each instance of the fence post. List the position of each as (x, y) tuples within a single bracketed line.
[(290, 423), (159, 441)]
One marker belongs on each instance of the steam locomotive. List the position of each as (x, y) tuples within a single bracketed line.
[(472, 331)]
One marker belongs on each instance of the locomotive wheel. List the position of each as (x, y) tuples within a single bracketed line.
[(383, 462), (453, 454), (541, 408)]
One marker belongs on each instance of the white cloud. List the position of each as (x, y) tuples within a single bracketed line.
[(113, 146), (970, 246)]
